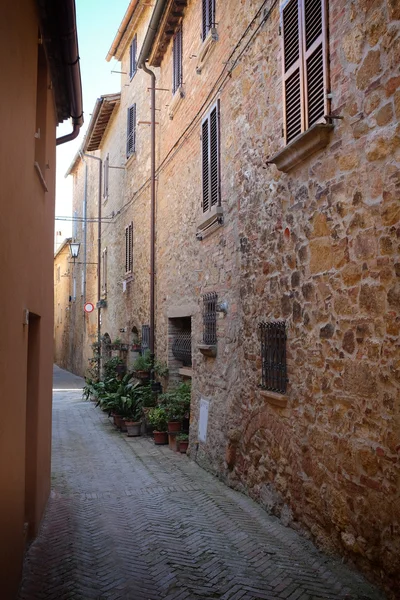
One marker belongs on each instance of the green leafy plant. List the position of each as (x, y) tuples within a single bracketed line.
[(182, 437), (161, 368), (143, 362), (146, 395), (158, 418), (177, 402), (110, 368)]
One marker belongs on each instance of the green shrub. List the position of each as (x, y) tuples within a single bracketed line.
[(158, 418)]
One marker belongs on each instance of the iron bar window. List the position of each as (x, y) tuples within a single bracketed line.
[(273, 356), (182, 348), (145, 337), (210, 318)]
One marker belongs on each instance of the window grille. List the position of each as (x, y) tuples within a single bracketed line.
[(145, 337), (210, 159), (273, 356), (129, 248), (177, 61), (106, 166), (132, 57), (208, 17), (182, 348), (210, 318), (305, 65), (131, 131)]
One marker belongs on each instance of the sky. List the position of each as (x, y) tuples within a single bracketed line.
[(97, 23)]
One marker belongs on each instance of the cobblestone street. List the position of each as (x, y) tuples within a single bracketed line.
[(130, 520)]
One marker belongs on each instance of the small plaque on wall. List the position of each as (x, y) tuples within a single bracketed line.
[(203, 420)]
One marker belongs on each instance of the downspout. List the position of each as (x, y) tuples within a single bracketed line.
[(152, 213), (98, 259), (85, 227)]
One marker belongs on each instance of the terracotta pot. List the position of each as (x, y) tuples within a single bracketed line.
[(172, 443), (133, 428), (119, 422), (183, 446), (142, 374), (174, 426), (160, 437)]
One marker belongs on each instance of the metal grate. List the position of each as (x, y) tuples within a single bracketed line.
[(182, 348), (210, 318), (145, 337), (273, 356)]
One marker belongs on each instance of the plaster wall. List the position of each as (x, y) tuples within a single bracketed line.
[(26, 268)]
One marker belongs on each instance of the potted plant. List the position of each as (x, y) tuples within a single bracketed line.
[(183, 442), (177, 406), (133, 422), (158, 418), (142, 365)]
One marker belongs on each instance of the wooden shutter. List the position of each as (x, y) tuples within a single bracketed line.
[(132, 57), (292, 69), (131, 131), (177, 60), (208, 17), (205, 168), (104, 265), (210, 159), (105, 176), (129, 248), (315, 59)]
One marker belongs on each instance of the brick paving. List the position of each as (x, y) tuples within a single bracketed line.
[(133, 521)]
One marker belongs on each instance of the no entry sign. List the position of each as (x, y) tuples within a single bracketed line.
[(89, 307)]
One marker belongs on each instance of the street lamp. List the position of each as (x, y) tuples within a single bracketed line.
[(74, 250)]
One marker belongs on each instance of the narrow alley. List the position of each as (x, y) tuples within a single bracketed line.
[(127, 519)]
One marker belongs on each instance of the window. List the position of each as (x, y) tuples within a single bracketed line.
[(273, 356), (104, 271), (208, 14), (210, 318), (145, 344), (210, 159), (305, 69), (132, 58), (131, 131), (128, 248), (177, 61), (106, 167)]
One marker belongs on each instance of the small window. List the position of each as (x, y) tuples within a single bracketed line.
[(106, 166), (210, 318), (273, 356), (305, 67), (132, 58), (211, 159), (208, 17), (145, 343), (129, 248), (177, 61), (104, 271), (131, 131)]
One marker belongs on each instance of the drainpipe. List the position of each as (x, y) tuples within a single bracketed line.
[(85, 226), (152, 212), (98, 259)]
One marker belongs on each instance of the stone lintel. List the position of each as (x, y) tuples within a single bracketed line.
[(208, 350), (186, 310), (302, 147), (279, 400)]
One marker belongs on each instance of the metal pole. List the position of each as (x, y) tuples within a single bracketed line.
[(98, 260)]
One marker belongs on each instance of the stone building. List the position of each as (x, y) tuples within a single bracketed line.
[(41, 87), (277, 249), (64, 293)]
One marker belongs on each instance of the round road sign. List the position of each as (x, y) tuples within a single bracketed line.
[(89, 307)]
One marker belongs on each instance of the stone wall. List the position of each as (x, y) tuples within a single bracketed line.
[(62, 291)]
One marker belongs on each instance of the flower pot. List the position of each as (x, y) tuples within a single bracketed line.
[(142, 374), (172, 443), (160, 437), (119, 422), (133, 428), (183, 446), (174, 426)]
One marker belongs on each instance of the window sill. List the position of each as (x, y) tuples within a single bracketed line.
[(176, 101), (41, 176), (279, 400), (209, 222), (302, 147), (186, 371), (205, 49), (130, 159), (208, 350)]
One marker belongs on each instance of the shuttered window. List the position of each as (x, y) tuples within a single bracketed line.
[(129, 248), (104, 271), (208, 17), (211, 159), (177, 61), (132, 57), (305, 67), (131, 131), (106, 165)]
